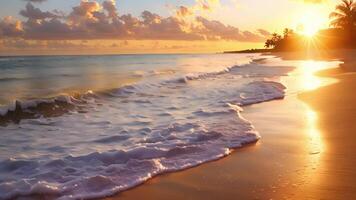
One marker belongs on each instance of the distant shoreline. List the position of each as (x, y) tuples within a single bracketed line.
[(299, 52), (251, 51)]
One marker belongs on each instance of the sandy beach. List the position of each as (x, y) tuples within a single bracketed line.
[(306, 151)]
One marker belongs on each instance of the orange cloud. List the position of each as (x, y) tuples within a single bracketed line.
[(91, 20), (184, 12), (10, 27)]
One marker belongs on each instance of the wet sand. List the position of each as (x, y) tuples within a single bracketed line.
[(307, 151), (336, 107)]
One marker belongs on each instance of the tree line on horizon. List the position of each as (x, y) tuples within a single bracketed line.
[(341, 34)]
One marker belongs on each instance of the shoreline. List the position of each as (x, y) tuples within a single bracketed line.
[(295, 170), (241, 174)]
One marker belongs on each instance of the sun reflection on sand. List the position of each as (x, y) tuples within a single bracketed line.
[(315, 145), (309, 80), (314, 134)]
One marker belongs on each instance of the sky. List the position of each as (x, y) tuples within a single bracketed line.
[(151, 26)]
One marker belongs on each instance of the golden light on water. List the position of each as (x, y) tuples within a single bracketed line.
[(310, 81), (308, 70)]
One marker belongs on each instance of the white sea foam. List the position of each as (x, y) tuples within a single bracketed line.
[(120, 138)]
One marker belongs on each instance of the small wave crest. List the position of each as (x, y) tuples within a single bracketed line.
[(47, 107), (52, 107)]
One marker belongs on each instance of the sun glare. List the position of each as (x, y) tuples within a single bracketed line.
[(310, 30), (309, 23), (310, 80)]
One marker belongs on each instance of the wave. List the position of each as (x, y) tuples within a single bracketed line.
[(101, 174), (63, 103), (6, 79), (56, 106), (46, 107), (262, 91), (154, 138)]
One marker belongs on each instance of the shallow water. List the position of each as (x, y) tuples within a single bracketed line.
[(91, 126)]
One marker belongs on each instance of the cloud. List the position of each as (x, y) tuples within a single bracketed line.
[(110, 7), (183, 11), (33, 13), (264, 32), (11, 28), (207, 4), (91, 20), (86, 10), (215, 30)]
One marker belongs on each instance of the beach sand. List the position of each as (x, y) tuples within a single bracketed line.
[(307, 150), (336, 108)]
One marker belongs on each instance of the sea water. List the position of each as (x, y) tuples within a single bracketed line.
[(76, 127)]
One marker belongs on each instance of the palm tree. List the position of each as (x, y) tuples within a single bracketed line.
[(274, 41), (287, 32), (344, 16)]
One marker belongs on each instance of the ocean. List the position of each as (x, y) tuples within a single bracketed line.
[(75, 127)]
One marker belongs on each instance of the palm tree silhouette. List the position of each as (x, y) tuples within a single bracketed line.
[(344, 16), (287, 32)]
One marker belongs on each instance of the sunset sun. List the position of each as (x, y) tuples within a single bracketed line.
[(310, 30), (309, 23)]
